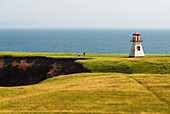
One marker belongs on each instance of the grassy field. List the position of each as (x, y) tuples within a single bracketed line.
[(91, 93), (75, 55), (120, 63), (117, 84)]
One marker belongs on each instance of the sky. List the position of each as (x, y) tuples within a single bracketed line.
[(84, 13)]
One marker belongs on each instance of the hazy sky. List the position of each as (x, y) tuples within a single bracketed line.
[(85, 13)]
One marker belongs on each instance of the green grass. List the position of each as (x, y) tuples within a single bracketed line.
[(120, 63), (118, 84), (159, 65), (91, 93)]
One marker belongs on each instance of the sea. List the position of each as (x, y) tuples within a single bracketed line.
[(116, 41)]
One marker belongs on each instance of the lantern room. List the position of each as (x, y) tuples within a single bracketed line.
[(136, 38)]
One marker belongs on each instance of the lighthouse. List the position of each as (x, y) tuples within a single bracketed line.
[(136, 48)]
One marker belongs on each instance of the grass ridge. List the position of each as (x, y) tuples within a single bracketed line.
[(154, 93)]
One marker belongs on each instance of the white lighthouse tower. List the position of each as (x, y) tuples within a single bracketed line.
[(136, 49)]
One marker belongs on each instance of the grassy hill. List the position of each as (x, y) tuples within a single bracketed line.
[(91, 93), (149, 65)]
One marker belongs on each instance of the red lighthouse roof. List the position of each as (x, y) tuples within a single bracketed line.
[(136, 33), (136, 37)]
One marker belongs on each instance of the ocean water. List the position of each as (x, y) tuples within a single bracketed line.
[(155, 41)]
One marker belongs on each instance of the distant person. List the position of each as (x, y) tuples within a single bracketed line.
[(84, 54), (79, 54)]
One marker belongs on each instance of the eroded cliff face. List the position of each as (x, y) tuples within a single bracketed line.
[(16, 71)]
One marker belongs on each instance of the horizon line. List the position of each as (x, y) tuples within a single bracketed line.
[(76, 28)]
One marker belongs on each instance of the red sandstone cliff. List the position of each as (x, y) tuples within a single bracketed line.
[(15, 71)]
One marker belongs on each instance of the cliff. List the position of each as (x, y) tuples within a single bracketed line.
[(16, 71)]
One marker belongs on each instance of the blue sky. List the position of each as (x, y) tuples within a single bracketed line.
[(84, 14)]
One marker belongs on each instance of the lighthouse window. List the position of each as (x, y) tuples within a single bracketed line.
[(134, 37), (138, 48)]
